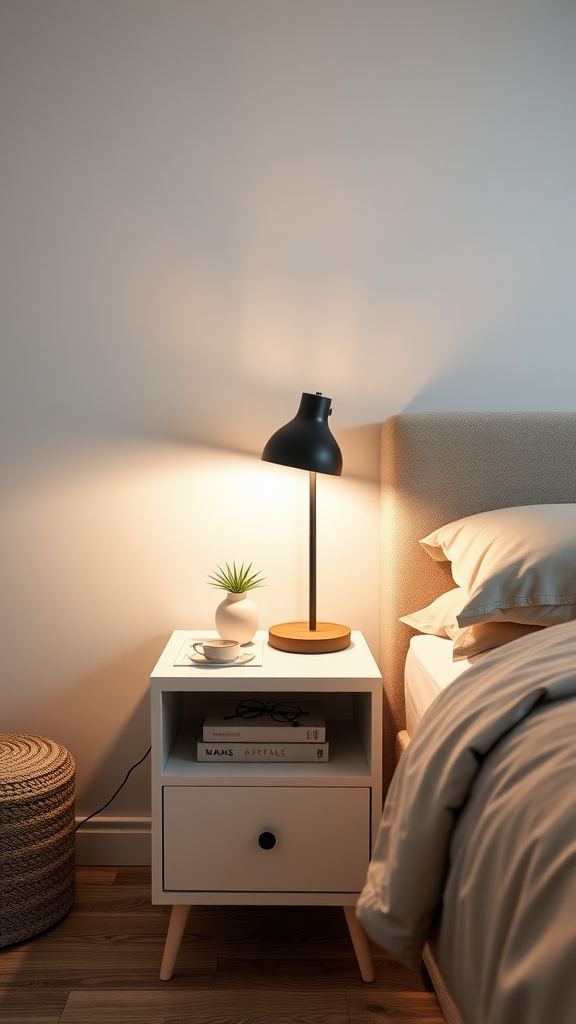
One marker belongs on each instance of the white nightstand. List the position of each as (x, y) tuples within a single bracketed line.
[(207, 818)]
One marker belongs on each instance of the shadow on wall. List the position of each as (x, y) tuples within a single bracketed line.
[(360, 448), (529, 363), (360, 445)]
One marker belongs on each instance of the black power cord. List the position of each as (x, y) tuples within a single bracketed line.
[(94, 813)]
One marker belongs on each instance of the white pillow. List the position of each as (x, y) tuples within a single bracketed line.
[(438, 616), (441, 619), (516, 564)]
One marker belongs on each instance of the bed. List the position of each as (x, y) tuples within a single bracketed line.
[(490, 964)]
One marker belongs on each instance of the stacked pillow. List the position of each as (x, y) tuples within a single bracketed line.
[(515, 570)]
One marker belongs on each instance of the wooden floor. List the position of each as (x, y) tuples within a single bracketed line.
[(237, 965)]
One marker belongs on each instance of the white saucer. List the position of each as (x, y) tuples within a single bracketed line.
[(242, 659)]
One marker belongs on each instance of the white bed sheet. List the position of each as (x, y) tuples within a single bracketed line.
[(429, 669)]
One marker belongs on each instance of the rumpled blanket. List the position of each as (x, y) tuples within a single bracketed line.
[(476, 852)]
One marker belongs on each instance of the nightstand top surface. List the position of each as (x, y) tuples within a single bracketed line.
[(356, 662)]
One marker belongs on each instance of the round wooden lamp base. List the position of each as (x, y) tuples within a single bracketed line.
[(297, 638)]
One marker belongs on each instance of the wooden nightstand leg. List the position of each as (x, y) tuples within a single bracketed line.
[(360, 943), (178, 919)]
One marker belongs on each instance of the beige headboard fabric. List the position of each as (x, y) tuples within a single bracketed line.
[(438, 467)]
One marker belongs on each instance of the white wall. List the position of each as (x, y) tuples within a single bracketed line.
[(208, 207)]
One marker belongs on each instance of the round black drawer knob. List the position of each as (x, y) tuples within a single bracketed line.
[(266, 840)]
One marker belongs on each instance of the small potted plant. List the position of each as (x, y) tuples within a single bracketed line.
[(237, 616)]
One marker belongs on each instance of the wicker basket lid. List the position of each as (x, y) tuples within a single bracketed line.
[(26, 759)]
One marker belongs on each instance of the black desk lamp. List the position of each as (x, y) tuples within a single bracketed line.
[(306, 443)]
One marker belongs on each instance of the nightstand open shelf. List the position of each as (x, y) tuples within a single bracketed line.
[(207, 819), (347, 761)]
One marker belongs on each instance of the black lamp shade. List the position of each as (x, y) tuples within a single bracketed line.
[(306, 442)]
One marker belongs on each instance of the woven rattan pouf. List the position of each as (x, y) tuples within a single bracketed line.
[(36, 835)]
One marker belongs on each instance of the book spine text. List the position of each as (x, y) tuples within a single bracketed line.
[(266, 734), (270, 752)]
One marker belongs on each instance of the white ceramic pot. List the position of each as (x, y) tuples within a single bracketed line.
[(237, 618)]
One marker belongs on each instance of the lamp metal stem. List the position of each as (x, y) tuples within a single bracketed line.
[(312, 614)]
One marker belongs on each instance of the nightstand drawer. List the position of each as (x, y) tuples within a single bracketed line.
[(211, 838)]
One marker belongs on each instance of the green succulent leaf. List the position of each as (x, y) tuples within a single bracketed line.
[(236, 580)]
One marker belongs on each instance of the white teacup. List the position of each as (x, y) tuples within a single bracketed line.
[(218, 650)]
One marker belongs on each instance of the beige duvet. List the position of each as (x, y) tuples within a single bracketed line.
[(477, 848)]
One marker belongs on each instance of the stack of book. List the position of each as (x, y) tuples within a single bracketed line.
[(227, 736)]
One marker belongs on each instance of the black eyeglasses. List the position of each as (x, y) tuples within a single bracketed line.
[(279, 711)]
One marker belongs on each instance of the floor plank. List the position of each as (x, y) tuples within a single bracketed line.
[(394, 1008), (102, 979), (23, 1006), (325, 973), (133, 876), (205, 1008), (129, 899), (84, 929), (95, 875)]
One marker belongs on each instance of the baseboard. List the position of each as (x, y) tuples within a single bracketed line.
[(113, 840)]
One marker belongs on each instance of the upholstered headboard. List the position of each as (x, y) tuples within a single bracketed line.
[(437, 467)]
